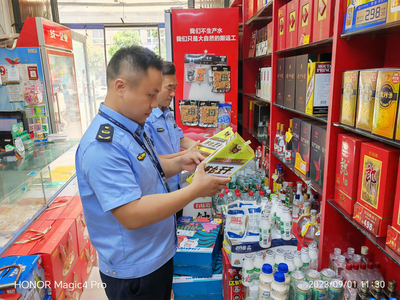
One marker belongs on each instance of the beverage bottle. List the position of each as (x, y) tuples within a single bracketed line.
[(266, 279), (239, 196), (297, 260), (377, 273), (229, 198), (283, 268), (305, 197), (315, 203), (289, 144), (219, 202), (377, 292), (250, 196), (289, 195), (232, 183), (309, 192), (333, 256), (281, 142), (279, 180), (340, 266), (349, 254), (348, 272), (305, 258), (286, 224), (276, 140), (349, 291), (248, 270), (265, 203), (296, 208), (279, 258), (283, 191), (279, 213), (311, 228), (364, 254), (363, 272), (274, 209), (390, 292), (356, 258), (371, 271), (280, 291), (258, 263), (304, 219), (363, 293), (356, 273), (269, 258), (289, 260), (265, 232), (300, 190), (313, 253), (260, 195)]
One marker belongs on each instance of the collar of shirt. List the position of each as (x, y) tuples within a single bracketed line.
[(131, 125)]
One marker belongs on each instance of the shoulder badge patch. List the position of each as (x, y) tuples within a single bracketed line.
[(175, 125), (160, 129), (170, 108), (141, 156), (105, 133)]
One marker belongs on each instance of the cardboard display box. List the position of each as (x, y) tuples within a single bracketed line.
[(393, 239), (348, 101), (318, 87), (282, 19), (269, 38), (305, 22), (296, 135), (261, 115), (231, 279), (72, 287), (323, 19), (366, 99), (293, 23), (301, 80), (371, 221), (280, 81), (290, 82), (317, 162), (86, 261), (347, 170), (302, 161), (396, 210)]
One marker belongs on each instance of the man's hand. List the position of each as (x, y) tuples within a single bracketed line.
[(206, 185), (194, 148), (190, 160)]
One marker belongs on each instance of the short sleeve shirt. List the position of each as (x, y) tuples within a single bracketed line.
[(166, 136), (112, 174)]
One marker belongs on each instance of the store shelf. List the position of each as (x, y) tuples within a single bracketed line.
[(379, 242), (307, 180), (321, 119), (253, 96), (383, 29), (266, 56), (235, 3), (369, 135), (264, 14), (325, 42), (263, 140)]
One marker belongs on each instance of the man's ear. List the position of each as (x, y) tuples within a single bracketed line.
[(119, 86)]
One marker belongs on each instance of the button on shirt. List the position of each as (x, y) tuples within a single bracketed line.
[(166, 136), (111, 174)]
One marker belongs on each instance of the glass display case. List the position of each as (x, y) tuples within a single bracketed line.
[(29, 185)]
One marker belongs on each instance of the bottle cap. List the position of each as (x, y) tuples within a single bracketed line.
[(262, 193), (237, 191), (378, 265), (290, 183), (363, 266), (351, 250), (349, 267), (237, 194), (279, 277), (267, 269), (370, 265), (249, 256), (220, 195), (226, 191), (283, 268), (337, 251), (364, 250), (356, 266), (392, 285), (297, 196), (251, 193)]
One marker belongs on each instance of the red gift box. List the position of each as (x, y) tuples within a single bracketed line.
[(393, 239), (323, 19), (231, 279), (305, 22), (347, 168), (87, 260), (396, 210), (371, 221), (72, 287), (292, 17), (16, 296), (377, 178), (282, 25), (59, 205)]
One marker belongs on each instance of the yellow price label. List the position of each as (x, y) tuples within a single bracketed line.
[(289, 136), (371, 15), (306, 39)]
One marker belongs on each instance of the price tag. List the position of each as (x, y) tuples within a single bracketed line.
[(289, 136), (371, 15), (367, 219), (306, 39)]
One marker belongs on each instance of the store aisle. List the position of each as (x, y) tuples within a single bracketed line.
[(94, 291)]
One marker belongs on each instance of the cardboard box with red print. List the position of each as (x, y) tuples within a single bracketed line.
[(231, 280), (371, 221), (72, 287), (323, 19), (282, 25), (304, 35), (396, 208), (59, 205), (292, 16), (347, 168), (393, 239), (86, 261)]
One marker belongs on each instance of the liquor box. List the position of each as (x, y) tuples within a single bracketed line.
[(269, 38), (301, 79), (280, 81), (323, 19), (296, 135), (347, 168), (199, 241), (86, 261), (57, 208), (303, 157), (396, 210), (348, 101), (266, 83), (318, 145), (282, 31), (377, 180), (371, 221), (318, 86), (393, 13), (393, 239), (261, 115), (32, 281), (72, 287), (290, 82), (386, 102), (231, 279), (292, 23), (305, 22), (366, 99)]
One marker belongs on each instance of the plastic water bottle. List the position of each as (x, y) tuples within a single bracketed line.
[(219, 202)]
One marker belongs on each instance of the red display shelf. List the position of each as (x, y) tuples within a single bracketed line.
[(236, 3), (264, 15), (266, 56), (307, 47), (253, 96), (321, 119), (384, 29)]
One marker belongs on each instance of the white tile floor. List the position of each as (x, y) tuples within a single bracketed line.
[(96, 292)]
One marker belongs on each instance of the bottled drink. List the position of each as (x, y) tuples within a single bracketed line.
[(300, 190), (232, 183), (229, 198), (259, 196), (276, 140), (247, 270), (305, 258), (279, 214), (363, 272), (283, 191), (280, 291), (364, 254), (371, 271), (304, 219), (311, 228), (289, 195), (283, 268), (333, 256), (340, 265), (239, 196), (312, 251), (377, 292), (279, 258), (286, 224), (279, 181), (269, 258), (297, 260), (265, 232), (266, 279), (315, 204), (305, 197), (378, 274), (219, 202), (289, 144), (274, 209), (250, 196), (289, 260), (258, 263), (309, 192), (281, 142), (349, 291), (349, 254), (356, 273), (356, 258), (363, 293), (296, 207), (390, 292)]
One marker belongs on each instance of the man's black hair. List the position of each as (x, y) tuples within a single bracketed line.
[(134, 60), (168, 68)]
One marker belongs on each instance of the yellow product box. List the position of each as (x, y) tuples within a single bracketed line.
[(229, 159), (386, 102), (366, 99), (348, 101), (318, 86), (393, 12), (216, 141)]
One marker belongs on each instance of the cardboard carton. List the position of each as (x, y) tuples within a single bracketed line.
[(301, 79), (280, 81), (348, 101), (282, 25), (318, 87), (371, 221), (231, 279), (366, 99), (396, 210), (86, 261), (293, 24), (317, 162), (303, 157), (305, 22), (290, 82), (323, 19)]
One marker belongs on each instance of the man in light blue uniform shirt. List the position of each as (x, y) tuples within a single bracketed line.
[(127, 205)]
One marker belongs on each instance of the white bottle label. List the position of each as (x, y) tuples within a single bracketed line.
[(265, 295)]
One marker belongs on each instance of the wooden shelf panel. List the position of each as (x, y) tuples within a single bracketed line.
[(264, 14), (383, 29), (379, 242), (253, 96), (325, 42), (307, 180), (321, 119), (369, 135)]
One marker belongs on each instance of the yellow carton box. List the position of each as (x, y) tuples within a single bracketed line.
[(393, 12), (366, 99), (348, 101), (318, 86)]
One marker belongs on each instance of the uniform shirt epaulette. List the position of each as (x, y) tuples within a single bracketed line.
[(170, 108), (105, 133)]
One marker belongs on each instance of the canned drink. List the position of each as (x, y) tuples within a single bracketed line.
[(335, 290), (327, 274), (295, 277), (303, 291), (320, 290), (312, 275)]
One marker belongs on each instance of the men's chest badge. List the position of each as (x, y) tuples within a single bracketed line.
[(160, 129), (141, 156)]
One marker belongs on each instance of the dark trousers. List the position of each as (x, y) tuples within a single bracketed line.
[(155, 286)]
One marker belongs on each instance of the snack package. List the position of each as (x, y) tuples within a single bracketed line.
[(33, 95), (224, 115), (189, 112), (221, 79), (200, 74), (208, 113), (190, 74), (236, 223)]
